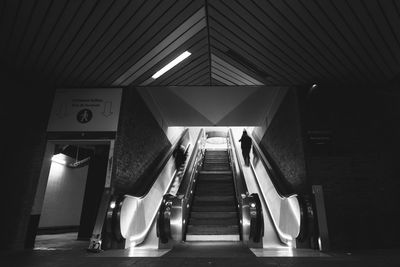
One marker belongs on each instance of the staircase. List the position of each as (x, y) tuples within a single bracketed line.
[(214, 216)]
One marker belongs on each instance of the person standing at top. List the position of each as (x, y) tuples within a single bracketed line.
[(246, 146)]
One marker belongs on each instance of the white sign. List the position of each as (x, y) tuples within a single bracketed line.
[(85, 110)]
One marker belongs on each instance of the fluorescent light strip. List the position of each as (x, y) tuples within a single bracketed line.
[(172, 64)]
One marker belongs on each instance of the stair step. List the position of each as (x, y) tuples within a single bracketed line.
[(205, 172), (213, 221), (215, 215), (213, 229), (213, 204), (215, 175), (216, 168), (206, 187), (223, 183), (219, 182), (213, 199), (218, 208), (216, 183), (214, 193), (205, 195), (216, 163)]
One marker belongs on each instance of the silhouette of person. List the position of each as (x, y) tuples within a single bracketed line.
[(179, 155), (246, 146)]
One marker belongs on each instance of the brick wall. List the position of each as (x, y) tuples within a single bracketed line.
[(140, 143), (284, 142)]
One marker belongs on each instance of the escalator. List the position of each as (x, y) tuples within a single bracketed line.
[(130, 220), (212, 203), (211, 198), (220, 200), (214, 214)]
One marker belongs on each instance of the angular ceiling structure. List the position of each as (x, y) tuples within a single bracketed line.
[(114, 43), (212, 105)]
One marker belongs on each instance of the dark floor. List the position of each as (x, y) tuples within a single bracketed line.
[(82, 258), (47, 252)]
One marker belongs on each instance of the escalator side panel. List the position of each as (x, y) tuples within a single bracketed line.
[(281, 214), (137, 215)]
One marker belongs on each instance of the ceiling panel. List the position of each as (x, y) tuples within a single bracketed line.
[(75, 39), (95, 43), (115, 20), (166, 25)]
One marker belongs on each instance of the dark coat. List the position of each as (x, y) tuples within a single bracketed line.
[(245, 142)]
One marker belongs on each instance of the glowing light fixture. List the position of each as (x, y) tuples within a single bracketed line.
[(59, 158), (172, 64)]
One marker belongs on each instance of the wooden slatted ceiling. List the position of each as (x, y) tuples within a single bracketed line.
[(176, 39), (94, 43)]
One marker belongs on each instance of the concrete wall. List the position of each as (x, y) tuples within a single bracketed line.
[(25, 109), (139, 144), (357, 164), (283, 141), (63, 200)]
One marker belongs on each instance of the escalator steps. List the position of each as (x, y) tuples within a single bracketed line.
[(213, 215)]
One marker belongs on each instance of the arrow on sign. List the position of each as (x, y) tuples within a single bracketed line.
[(107, 109)]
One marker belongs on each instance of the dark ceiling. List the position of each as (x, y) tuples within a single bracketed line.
[(89, 43)]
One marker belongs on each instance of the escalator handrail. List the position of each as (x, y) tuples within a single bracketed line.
[(281, 188), (274, 222), (182, 196), (306, 217), (139, 238), (278, 187), (256, 223), (184, 188), (145, 187), (238, 167)]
